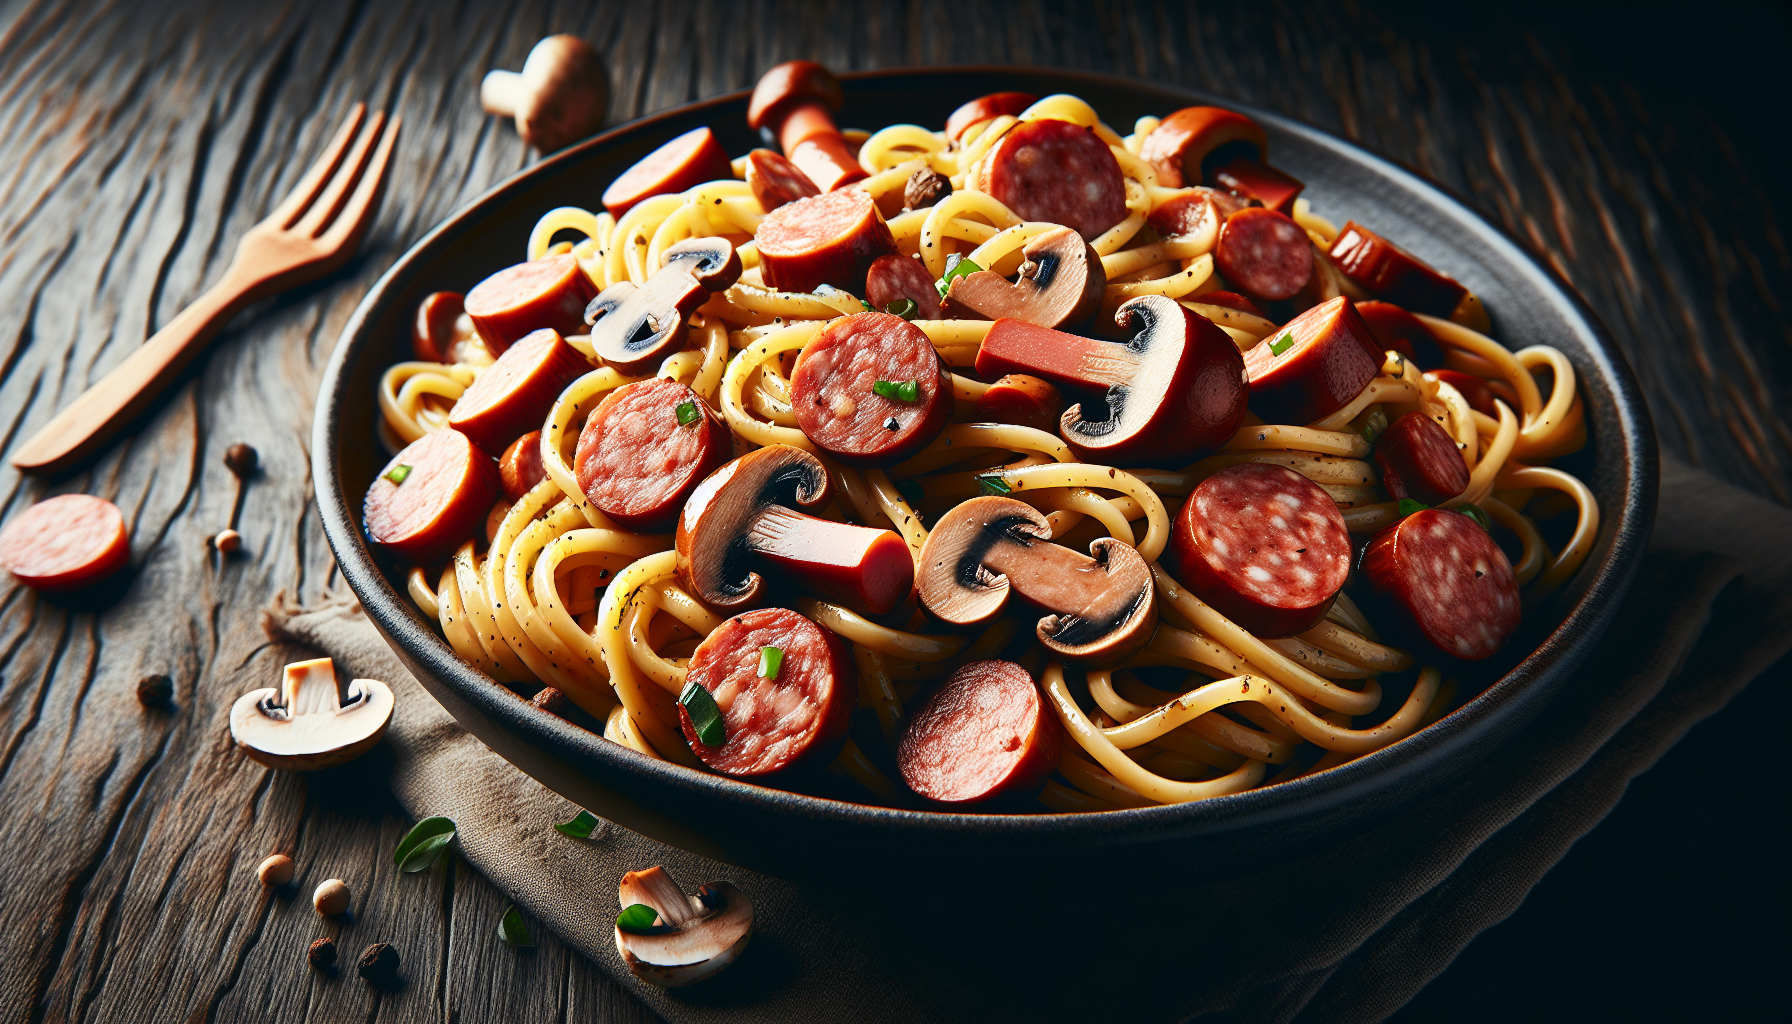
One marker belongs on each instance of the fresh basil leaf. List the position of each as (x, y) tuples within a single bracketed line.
[(512, 929), (397, 473), (1408, 506), (1477, 513), (637, 919), (422, 846), (580, 827), (993, 485), (687, 413), (706, 718), (1282, 344)]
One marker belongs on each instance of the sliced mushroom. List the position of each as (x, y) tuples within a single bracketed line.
[(693, 937), (311, 721), (634, 328), (1103, 608), (559, 97), (745, 516), (1060, 284)]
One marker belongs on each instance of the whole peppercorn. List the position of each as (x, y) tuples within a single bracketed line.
[(379, 962), (925, 187), (322, 953), (276, 870), (241, 459), (154, 689), (331, 897), (227, 541), (550, 700)]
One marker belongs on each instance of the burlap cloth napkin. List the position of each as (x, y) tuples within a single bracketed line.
[(1346, 933)]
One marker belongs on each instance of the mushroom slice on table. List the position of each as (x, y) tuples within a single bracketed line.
[(557, 99), (311, 721), (1060, 284), (692, 938)]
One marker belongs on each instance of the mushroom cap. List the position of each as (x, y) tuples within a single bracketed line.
[(698, 935), (635, 327), (568, 92), (712, 530), (302, 727), (1060, 285), (790, 82)]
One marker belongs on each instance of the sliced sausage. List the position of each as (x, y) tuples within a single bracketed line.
[(1023, 400), (1190, 212), (1402, 332), (1185, 146), (1312, 366), (986, 108), (1474, 389), (1264, 254), (984, 735), (683, 163), (637, 463), (1446, 581), (432, 332), (1263, 545), (896, 277), (1261, 182), (776, 181), (1389, 272), (1420, 461), (548, 292), (65, 543), (1058, 172), (799, 717), (513, 395), (520, 466), (1230, 300), (431, 497), (826, 239), (833, 390), (809, 138)]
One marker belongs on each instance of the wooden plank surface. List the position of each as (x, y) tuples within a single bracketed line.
[(138, 141)]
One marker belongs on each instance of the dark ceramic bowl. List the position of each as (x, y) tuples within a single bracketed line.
[(786, 832)]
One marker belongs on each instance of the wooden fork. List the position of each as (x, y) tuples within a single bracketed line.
[(312, 232)]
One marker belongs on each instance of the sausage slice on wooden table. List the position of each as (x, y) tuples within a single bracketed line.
[(1314, 365), (1060, 284), (1058, 172), (1447, 582), (871, 390), (985, 735), (683, 163), (828, 239), (549, 292), (645, 448), (431, 497), (65, 543), (513, 395), (634, 328)]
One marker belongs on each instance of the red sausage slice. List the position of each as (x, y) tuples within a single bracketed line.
[(984, 735), (685, 162), (65, 543), (440, 500), (1261, 182), (1447, 581), (1389, 272), (1313, 366), (1189, 213), (513, 395), (986, 108), (1396, 329), (1023, 400), (1264, 546), (1418, 460), (833, 390), (772, 724), (432, 332), (638, 464), (1059, 172), (520, 466), (826, 239), (549, 292), (809, 138), (1264, 254), (1475, 389), (894, 278), (776, 181), (1187, 143)]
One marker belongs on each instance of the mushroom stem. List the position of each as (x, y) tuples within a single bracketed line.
[(655, 888), (312, 687), (502, 93)]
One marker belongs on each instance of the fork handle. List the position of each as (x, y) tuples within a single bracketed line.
[(117, 398)]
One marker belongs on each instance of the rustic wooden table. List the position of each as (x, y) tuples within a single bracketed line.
[(141, 140)]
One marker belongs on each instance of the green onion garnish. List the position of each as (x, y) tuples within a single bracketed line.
[(1282, 344), (956, 266), (397, 473), (1374, 424), (771, 659), (993, 485), (706, 718), (580, 827), (1408, 506), (637, 919), (910, 490), (1476, 513), (904, 308), (687, 413), (869, 308), (903, 390)]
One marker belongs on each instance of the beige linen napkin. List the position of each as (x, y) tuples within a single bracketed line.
[(1346, 933)]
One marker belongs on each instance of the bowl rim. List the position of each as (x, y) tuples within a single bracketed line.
[(1426, 749)]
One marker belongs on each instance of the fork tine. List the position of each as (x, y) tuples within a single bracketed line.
[(329, 202), (306, 190), (352, 222)]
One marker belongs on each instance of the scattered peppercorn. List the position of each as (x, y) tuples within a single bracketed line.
[(227, 541), (550, 700), (926, 187), (322, 953), (154, 689), (331, 897), (276, 870), (379, 962), (241, 459)]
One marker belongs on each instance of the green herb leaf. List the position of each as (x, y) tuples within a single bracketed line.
[(637, 919), (687, 413), (706, 718), (908, 391), (897, 390), (1374, 424), (512, 929), (1408, 506), (869, 308), (956, 266), (422, 846), (904, 308), (397, 473), (1282, 344), (993, 485), (1477, 513), (771, 659), (911, 492), (580, 827)]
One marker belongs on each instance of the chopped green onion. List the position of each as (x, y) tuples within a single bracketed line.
[(956, 266), (1282, 344), (904, 308), (512, 929), (1478, 514), (422, 846), (637, 919), (903, 390), (1408, 506), (687, 413), (1374, 424), (580, 827), (706, 718), (993, 485), (397, 473), (910, 490), (771, 659), (869, 308)]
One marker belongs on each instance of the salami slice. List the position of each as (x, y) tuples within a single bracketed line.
[(1022, 400), (1263, 545), (1400, 331), (984, 735), (431, 497), (896, 277), (551, 292), (776, 181), (1447, 582), (826, 239), (513, 395), (986, 108), (1418, 460), (520, 466), (65, 543), (685, 162), (798, 716), (838, 404), (1190, 212), (1389, 272), (1264, 254), (1059, 172), (637, 462)]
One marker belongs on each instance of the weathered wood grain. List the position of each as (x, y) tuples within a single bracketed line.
[(137, 141)]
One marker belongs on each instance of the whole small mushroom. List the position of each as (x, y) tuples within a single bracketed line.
[(331, 897), (693, 937), (311, 722), (558, 99), (275, 871)]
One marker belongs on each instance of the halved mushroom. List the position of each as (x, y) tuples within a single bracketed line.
[(693, 936), (1103, 608), (311, 721), (633, 328), (745, 514), (559, 97), (1060, 284)]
